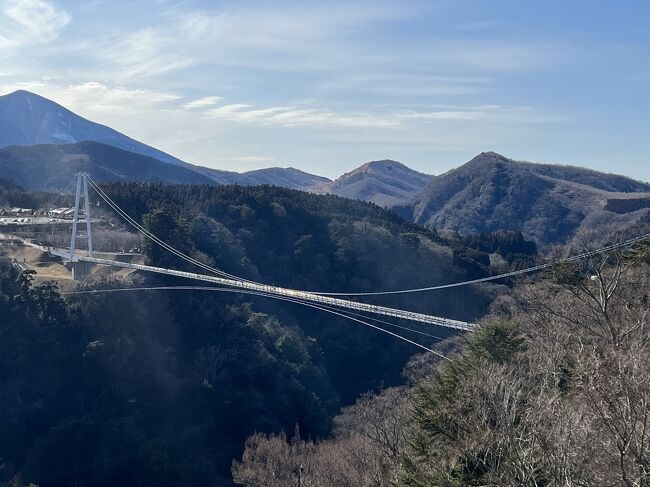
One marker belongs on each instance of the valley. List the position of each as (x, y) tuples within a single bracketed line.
[(381, 328)]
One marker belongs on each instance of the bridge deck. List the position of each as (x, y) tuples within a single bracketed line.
[(280, 291)]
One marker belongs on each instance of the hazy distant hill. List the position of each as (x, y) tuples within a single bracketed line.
[(549, 203), (386, 183), (52, 167), (284, 177)]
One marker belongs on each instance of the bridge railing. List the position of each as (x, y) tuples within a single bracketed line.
[(280, 291)]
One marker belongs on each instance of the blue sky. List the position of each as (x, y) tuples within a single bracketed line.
[(325, 86)]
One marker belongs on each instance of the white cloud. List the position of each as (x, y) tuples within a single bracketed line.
[(444, 115), (101, 102), (318, 40), (401, 83), (218, 132), (145, 53), (298, 79), (293, 116), (30, 22), (384, 118), (204, 102), (99, 97)]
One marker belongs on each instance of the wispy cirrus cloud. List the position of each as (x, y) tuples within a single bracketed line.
[(407, 84), (105, 103), (194, 129), (30, 22), (232, 82), (97, 100), (386, 118), (310, 40), (100, 97), (206, 101)]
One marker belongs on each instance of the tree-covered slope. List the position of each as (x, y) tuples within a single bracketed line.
[(551, 389), (52, 167), (548, 203), (163, 387), (304, 240)]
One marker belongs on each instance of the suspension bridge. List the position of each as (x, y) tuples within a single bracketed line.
[(223, 281)]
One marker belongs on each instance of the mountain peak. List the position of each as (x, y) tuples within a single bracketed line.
[(546, 202), (385, 182), (20, 95), (384, 164), (490, 156)]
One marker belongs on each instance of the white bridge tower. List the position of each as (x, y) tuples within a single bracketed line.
[(81, 180)]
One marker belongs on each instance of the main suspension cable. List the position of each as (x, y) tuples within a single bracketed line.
[(536, 268), (157, 240), (575, 258)]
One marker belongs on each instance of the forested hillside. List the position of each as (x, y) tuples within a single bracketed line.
[(163, 387), (53, 167), (552, 389), (308, 241), (548, 203)]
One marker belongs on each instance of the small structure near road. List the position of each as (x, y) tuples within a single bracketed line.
[(66, 213)]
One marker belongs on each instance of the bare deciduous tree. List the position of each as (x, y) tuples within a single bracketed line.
[(552, 390)]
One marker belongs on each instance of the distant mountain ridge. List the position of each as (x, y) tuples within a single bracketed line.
[(28, 119), (288, 177), (386, 183), (548, 203), (50, 167)]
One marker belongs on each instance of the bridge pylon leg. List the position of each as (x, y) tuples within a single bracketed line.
[(80, 269), (89, 232), (75, 219)]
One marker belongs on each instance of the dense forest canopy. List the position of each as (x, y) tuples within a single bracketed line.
[(162, 388), (146, 387), (301, 239)]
